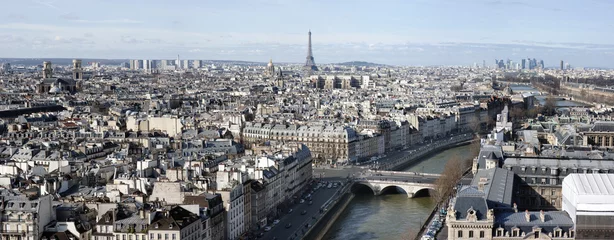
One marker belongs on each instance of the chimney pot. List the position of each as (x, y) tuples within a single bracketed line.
[(527, 215), (542, 216)]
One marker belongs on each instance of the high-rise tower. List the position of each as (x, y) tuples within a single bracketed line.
[(310, 64)]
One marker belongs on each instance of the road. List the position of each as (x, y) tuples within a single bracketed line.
[(403, 178), (298, 221)]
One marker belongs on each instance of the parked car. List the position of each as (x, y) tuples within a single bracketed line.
[(290, 210), (310, 202), (302, 201), (276, 221), (267, 228), (304, 212), (289, 225)]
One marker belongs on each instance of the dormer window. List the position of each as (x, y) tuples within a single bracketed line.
[(515, 232), (156, 225), (170, 226), (499, 232)]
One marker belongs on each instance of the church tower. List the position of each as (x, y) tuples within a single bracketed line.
[(77, 69), (47, 71)]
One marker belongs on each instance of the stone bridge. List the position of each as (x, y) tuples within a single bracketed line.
[(411, 183)]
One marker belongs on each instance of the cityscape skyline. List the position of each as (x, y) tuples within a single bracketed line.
[(416, 33)]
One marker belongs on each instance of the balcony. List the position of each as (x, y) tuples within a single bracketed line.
[(13, 232)]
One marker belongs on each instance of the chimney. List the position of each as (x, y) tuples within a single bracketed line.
[(142, 213), (542, 216), (527, 216), (515, 207)]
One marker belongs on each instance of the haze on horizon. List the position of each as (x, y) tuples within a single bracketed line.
[(424, 32)]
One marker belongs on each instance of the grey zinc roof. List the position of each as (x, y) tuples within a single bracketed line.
[(485, 153), (499, 187), (463, 204), (602, 126), (553, 219)]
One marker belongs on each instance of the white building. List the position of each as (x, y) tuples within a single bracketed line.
[(589, 201)]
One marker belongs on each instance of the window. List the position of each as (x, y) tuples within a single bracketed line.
[(481, 234), (470, 233), (553, 192), (516, 232), (460, 233), (166, 236), (151, 236), (159, 236), (536, 234), (174, 236), (543, 191)]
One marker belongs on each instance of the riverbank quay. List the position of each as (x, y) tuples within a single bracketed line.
[(331, 211)]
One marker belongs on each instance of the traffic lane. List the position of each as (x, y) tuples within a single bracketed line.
[(280, 231), (319, 197), (408, 180), (402, 178), (341, 173)]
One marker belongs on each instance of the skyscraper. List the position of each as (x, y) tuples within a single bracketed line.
[(310, 64), (523, 64), (178, 63), (562, 65)]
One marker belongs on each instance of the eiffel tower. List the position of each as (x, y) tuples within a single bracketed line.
[(310, 64)]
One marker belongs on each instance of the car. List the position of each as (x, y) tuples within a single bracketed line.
[(308, 195), (276, 221), (289, 211), (289, 225), (260, 234), (267, 228), (304, 212), (330, 185), (310, 202), (302, 201)]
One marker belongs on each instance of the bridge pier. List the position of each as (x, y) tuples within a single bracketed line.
[(410, 195)]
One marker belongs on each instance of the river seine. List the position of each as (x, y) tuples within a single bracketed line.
[(390, 216)]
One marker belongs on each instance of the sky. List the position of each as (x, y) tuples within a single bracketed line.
[(403, 32)]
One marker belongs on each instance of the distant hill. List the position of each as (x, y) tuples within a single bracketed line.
[(59, 61), (361, 64)]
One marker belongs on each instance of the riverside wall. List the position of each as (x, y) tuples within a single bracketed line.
[(323, 225)]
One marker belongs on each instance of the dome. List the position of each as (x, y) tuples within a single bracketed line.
[(270, 63), (55, 89)]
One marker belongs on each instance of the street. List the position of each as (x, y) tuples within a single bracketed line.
[(298, 221)]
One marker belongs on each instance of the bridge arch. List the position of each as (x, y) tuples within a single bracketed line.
[(423, 192), (358, 187), (393, 188)]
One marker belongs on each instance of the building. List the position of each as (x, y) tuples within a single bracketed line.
[(589, 201), (332, 143), (178, 223), (234, 203), (270, 69), (25, 218), (52, 85)]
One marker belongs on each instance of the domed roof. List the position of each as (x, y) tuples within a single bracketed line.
[(270, 63), (55, 89)]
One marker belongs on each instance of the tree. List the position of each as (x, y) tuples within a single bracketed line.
[(517, 113), (549, 108), (452, 173)]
